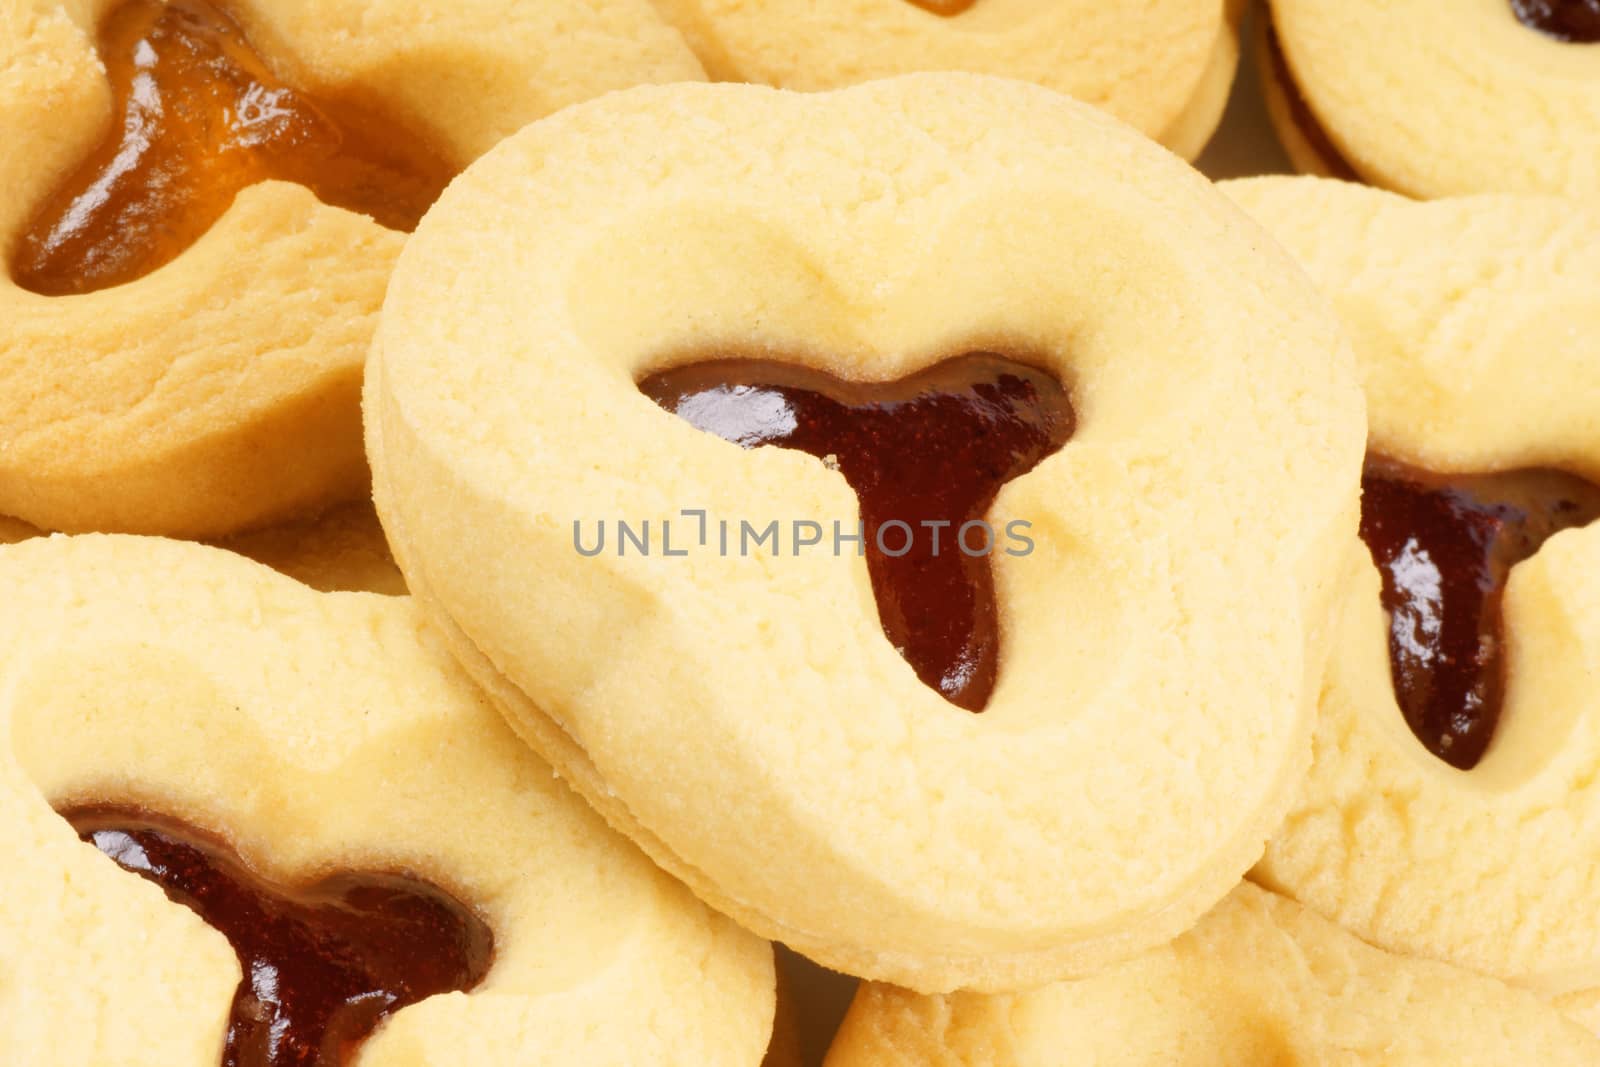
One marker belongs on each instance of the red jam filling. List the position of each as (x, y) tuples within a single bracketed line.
[(1445, 545), (1573, 21), (926, 456), (324, 963), (197, 117)]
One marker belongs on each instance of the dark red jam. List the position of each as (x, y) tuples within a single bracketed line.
[(323, 963), (926, 455), (1445, 545), (1574, 21), (198, 116)]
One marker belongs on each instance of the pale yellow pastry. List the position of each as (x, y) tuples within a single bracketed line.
[(1245, 143), (1439, 98), (342, 550), (1164, 67), (1259, 981), (317, 734), (1475, 323), (741, 714), (221, 390)]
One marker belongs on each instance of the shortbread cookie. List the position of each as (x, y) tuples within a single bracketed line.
[(1439, 97), (1001, 317), (342, 550), (179, 359), (259, 749), (1452, 810), (1259, 981), (1164, 67)]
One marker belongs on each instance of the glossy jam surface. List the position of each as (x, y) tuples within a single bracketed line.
[(932, 448), (323, 964), (197, 117), (1445, 546), (1575, 21), (946, 8)]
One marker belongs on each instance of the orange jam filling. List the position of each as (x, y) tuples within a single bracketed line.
[(197, 117)]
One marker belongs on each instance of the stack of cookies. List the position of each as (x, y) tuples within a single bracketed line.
[(515, 509)]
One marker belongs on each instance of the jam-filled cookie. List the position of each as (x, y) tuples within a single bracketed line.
[(1438, 97), (200, 202), (1164, 66), (342, 550), (1452, 809), (1259, 981), (902, 510), (338, 844)]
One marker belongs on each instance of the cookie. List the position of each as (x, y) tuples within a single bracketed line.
[(1432, 98), (341, 551), (1451, 810), (988, 313), (193, 269), (1164, 67), (1261, 980), (12, 531), (312, 774)]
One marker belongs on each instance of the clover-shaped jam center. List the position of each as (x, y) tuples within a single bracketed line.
[(323, 964), (197, 117), (1574, 21), (926, 456), (1445, 545)]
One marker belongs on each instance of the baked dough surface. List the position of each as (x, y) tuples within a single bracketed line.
[(222, 390), (1163, 66), (14, 530), (743, 717), (1435, 98), (318, 732), (341, 550), (1260, 980), (1473, 328)]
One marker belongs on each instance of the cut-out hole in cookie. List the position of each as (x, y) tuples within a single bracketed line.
[(1445, 545), (197, 117), (323, 964), (1573, 21), (931, 452)]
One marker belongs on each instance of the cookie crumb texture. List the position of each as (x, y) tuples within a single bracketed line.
[(318, 734), (1436, 98), (1163, 66), (1260, 980), (1473, 321), (342, 550), (222, 391), (743, 718)]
